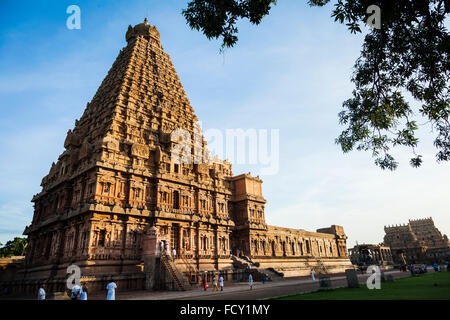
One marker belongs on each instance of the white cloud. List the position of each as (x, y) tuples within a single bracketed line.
[(363, 199)]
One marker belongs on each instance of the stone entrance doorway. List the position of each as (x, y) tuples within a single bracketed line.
[(175, 237)]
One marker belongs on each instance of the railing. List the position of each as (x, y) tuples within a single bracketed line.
[(239, 262), (279, 275), (170, 271), (322, 268), (319, 268), (173, 272)]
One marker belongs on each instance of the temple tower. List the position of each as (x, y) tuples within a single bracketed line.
[(136, 173), (117, 176)]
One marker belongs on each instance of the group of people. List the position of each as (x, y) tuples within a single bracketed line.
[(164, 250), (264, 278), (80, 292), (214, 283), (421, 269), (219, 284)]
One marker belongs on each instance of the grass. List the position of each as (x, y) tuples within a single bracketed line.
[(430, 286)]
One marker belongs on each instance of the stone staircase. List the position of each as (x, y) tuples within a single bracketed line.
[(247, 264), (273, 274), (241, 263), (178, 279), (321, 268)]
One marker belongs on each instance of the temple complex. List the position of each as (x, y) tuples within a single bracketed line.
[(418, 241), (116, 194)]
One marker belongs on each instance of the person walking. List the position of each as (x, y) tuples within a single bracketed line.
[(250, 281), (41, 293), (84, 292), (312, 275), (263, 278), (214, 281), (221, 283), (111, 287)]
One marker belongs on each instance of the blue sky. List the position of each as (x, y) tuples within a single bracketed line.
[(290, 73)]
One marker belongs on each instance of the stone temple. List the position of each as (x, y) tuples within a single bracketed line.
[(418, 241), (114, 194)]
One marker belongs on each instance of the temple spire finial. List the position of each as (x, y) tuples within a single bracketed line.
[(145, 21)]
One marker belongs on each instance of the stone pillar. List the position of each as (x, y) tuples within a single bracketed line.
[(169, 238), (197, 258), (190, 241), (180, 240), (216, 249), (150, 252), (75, 241)]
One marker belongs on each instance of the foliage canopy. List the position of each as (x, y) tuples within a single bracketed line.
[(16, 247)]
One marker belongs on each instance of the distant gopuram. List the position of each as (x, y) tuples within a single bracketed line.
[(115, 196), (419, 241)]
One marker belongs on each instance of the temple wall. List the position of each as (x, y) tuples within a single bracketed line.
[(418, 241), (285, 242), (302, 266)]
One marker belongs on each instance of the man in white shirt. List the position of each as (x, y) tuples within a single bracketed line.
[(111, 287), (166, 249), (174, 254), (161, 247), (41, 293), (84, 292), (221, 283)]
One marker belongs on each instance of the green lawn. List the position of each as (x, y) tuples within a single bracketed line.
[(434, 285)]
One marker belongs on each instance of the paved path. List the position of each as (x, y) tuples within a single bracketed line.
[(240, 291), (263, 292)]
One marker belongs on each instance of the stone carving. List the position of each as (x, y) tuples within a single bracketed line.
[(140, 150)]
